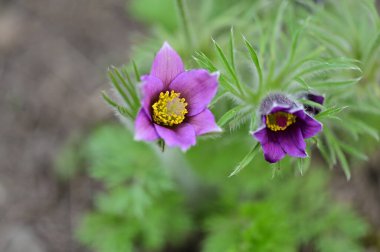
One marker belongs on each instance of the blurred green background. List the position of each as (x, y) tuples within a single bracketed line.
[(73, 179)]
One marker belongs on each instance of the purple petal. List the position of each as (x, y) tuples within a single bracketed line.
[(198, 87), (167, 65), (204, 123), (182, 136), (315, 98), (144, 129), (269, 143), (151, 88), (261, 135), (310, 127), (278, 108), (292, 141)]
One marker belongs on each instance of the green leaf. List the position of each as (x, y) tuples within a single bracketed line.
[(246, 160), (136, 70), (255, 60), (343, 162), (330, 84), (229, 68), (317, 67), (232, 48), (118, 87), (335, 43), (131, 90), (336, 152), (362, 127), (229, 115), (300, 165), (311, 103), (353, 152), (326, 154), (204, 61), (122, 110), (329, 112)]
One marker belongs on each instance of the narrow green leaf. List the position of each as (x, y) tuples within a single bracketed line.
[(325, 153), (335, 43), (131, 91), (119, 89), (276, 31), (232, 48), (333, 143), (246, 160), (205, 62), (136, 70), (353, 152), (330, 142), (362, 127), (311, 103), (122, 110), (229, 115), (255, 60), (228, 66), (334, 83), (330, 112), (303, 83), (343, 162), (327, 66), (300, 165)]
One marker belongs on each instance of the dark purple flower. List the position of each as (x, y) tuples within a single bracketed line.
[(314, 97), (285, 126), (174, 102)]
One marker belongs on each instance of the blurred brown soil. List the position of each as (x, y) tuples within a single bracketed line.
[(53, 59)]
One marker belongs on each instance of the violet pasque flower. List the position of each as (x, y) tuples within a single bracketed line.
[(285, 126), (174, 102)]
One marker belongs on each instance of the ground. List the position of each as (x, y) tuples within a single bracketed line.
[(53, 59)]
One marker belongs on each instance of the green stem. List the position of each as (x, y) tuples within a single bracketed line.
[(183, 15)]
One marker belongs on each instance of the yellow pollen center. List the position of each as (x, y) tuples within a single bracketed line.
[(170, 109), (279, 120)]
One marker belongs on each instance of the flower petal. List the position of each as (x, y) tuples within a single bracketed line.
[(182, 136), (261, 135), (167, 65), (198, 87), (144, 128), (269, 143), (275, 102), (310, 127), (204, 122), (151, 88), (292, 141)]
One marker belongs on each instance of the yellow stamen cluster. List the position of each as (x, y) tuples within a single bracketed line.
[(170, 109), (279, 120)]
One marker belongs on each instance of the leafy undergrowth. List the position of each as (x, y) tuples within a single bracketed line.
[(144, 208)]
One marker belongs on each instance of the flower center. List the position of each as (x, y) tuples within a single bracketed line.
[(279, 120), (170, 109)]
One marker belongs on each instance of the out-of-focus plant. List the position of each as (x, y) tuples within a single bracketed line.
[(132, 212), (143, 208), (352, 29), (286, 216)]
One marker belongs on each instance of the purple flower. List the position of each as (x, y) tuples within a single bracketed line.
[(174, 102), (285, 127)]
